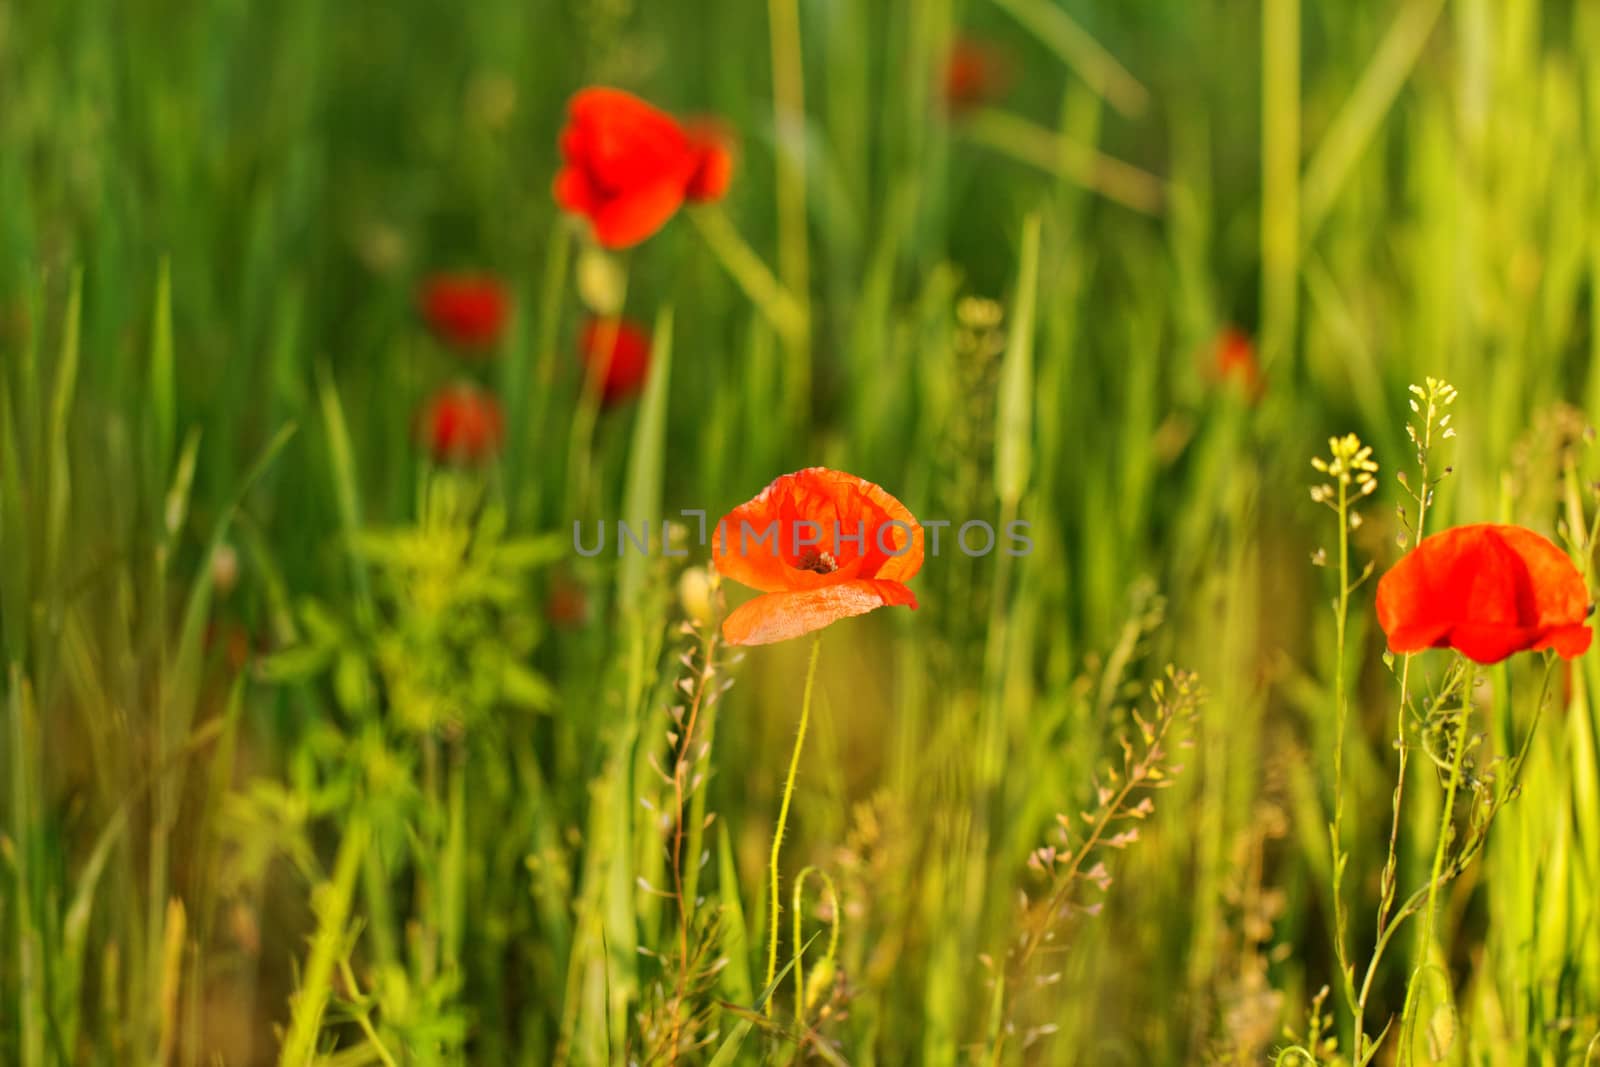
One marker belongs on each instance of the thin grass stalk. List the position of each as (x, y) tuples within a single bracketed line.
[(1390, 877), (580, 446), (1280, 175), (794, 256), (685, 882), (1071, 160), (558, 255), (780, 306), (1098, 68), (1363, 112), (1341, 706), (29, 945)]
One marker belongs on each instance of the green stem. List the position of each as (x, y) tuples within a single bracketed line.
[(1341, 708), (300, 1046), (773, 884), (1390, 879), (799, 935), (454, 874), (1425, 932)]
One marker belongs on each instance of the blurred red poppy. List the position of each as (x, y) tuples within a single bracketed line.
[(234, 641), (461, 424), (713, 171), (468, 311), (623, 371), (975, 73), (567, 604), (822, 545), (1486, 591), (1233, 358), (630, 166)]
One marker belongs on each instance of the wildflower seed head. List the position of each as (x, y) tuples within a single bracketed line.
[(1429, 401), (1348, 465)]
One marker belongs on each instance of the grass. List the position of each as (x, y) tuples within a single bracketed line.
[(301, 764)]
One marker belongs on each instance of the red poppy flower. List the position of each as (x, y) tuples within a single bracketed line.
[(468, 311), (1486, 591), (630, 166), (623, 371), (822, 545), (461, 424), (974, 74), (1234, 359), (713, 171)]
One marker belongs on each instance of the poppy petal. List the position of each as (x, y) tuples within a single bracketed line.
[(1405, 639), (780, 616), (624, 221), (859, 527), (628, 165), (1568, 641), (1487, 591), (1489, 643)]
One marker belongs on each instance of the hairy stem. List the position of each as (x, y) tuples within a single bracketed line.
[(773, 884)]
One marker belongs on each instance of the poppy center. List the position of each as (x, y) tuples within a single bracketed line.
[(817, 562)]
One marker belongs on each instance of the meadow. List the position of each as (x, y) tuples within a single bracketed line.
[(333, 335)]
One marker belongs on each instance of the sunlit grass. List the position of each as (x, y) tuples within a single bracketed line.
[(317, 750)]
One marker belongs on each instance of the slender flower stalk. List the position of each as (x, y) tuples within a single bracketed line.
[(1447, 820), (1351, 477), (774, 884), (1428, 402)]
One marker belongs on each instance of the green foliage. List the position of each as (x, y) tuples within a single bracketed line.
[(315, 751)]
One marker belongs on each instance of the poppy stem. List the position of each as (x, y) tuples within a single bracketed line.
[(773, 883)]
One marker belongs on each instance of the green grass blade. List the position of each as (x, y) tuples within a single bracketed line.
[(1014, 414), (641, 495), (1362, 113), (58, 483), (163, 401), (342, 456), (1079, 50)]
